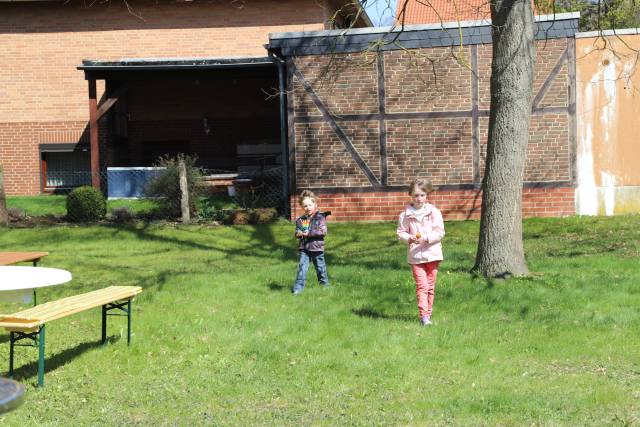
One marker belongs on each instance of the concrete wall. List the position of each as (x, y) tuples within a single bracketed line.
[(608, 111)]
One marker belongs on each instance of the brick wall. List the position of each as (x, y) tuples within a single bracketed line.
[(454, 205), (43, 42), (408, 114)]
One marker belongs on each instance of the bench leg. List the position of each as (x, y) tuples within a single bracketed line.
[(129, 322), (122, 306), (104, 324), (11, 342), (41, 356)]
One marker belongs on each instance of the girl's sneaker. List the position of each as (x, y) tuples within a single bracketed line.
[(425, 321)]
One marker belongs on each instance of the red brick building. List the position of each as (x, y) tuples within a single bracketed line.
[(195, 81), (418, 106), (351, 121)]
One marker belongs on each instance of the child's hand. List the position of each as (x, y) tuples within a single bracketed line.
[(298, 233), (414, 240)]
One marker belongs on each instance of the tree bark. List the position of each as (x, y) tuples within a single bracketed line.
[(184, 191), (500, 249), (4, 214)]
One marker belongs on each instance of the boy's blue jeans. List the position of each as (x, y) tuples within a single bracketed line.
[(303, 265)]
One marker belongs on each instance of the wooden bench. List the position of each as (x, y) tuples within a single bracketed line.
[(8, 258), (30, 323)]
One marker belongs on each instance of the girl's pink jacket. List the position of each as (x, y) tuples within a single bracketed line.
[(428, 222)]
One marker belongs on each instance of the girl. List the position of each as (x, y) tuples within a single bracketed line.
[(310, 230), (421, 228)]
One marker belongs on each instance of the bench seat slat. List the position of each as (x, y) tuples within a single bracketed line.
[(32, 318), (82, 300), (43, 310)]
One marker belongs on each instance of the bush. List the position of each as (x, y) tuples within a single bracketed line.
[(263, 216), (166, 187), (240, 217), (16, 214), (122, 214), (86, 204)]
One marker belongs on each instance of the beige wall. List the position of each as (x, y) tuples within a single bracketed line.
[(608, 117)]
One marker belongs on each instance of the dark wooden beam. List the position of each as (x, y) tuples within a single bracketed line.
[(550, 78), (93, 134), (475, 117), (573, 127), (111, 100), (382, 109), (339, 132)]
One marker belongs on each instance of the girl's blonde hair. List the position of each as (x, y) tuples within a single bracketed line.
[(306, 194), (420, 184)]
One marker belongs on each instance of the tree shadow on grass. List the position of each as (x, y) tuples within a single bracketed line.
[(372, 313), (277, 287), (30, 370), (143, 234)]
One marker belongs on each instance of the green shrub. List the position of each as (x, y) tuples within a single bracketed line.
[(86, 204)]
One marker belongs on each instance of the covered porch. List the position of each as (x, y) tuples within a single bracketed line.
[(228, 112)]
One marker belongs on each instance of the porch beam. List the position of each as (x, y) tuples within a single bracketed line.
[(93, 134), (111, 100)]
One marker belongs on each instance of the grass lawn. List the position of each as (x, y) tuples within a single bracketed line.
[(219, 340), (57, 204)]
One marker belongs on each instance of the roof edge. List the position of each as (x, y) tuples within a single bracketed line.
[(174, 63), (413, 27), (607, 33)]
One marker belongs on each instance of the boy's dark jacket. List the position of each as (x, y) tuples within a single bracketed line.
[(317, 230)]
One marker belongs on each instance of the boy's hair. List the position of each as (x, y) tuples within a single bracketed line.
[(306, 194), (422, 185)]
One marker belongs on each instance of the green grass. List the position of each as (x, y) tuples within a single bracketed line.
[(39, 205), (57, 205), (219, 339)]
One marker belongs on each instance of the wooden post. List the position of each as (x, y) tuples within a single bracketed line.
[(93, 134), (184, 191), (4, 214)]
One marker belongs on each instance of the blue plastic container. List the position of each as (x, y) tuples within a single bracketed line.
[(129, 183)]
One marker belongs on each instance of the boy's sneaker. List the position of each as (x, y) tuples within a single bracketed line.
[(425, 321), (296, 291)]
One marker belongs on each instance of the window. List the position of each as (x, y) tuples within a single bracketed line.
[(65, 166)]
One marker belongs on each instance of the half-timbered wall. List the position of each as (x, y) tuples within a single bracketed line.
[(363, 125)]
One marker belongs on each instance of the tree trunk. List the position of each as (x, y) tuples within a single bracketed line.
[(184, 191), (500, 249), (4, 215)]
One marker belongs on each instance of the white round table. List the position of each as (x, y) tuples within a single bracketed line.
[(18, 283)]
